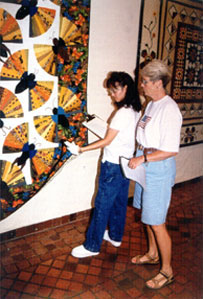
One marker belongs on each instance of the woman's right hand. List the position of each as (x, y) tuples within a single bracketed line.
[(73, 148), (136, 161)]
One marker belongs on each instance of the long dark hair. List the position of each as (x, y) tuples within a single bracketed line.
[(132, 97)]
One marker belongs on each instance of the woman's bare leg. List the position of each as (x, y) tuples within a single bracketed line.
[(165, 245), (153, 250)]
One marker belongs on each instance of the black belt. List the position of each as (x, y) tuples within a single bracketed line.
[(146, 150)]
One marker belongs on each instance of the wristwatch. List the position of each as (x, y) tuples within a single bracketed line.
[(145, 158)]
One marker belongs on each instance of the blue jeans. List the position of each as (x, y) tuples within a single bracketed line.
[(110, 207)]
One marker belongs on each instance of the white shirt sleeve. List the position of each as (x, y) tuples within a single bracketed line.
[(170, 129)]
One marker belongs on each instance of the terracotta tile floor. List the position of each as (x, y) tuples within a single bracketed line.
[(40, 265)]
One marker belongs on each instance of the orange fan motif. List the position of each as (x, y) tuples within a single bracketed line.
[(15, 66), (42, 162), (40, 94), (16, 138), (10, 106), (68, 100), (9, 28), (41, 21), (49, 57), (41, 18), (55, 127)]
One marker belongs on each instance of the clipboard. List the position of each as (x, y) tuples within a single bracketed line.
[(96, 125), (137, 174)]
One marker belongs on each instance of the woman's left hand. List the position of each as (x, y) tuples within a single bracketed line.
[(134, 162)]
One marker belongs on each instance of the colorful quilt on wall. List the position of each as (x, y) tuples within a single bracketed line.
[(43, 79), (181, 48), (187, 83), (172, 31)]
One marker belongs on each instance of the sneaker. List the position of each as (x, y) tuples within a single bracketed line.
[(107, 238), (81, 251)]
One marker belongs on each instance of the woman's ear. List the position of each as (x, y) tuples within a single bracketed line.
[(159, 84), (125, 87)]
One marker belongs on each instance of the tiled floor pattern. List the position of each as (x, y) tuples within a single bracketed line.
[(40, 265)]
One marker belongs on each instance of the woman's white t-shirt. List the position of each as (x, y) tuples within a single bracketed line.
[(160, 125), (123, 145)]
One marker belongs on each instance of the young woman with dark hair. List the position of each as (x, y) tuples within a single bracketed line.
[(112, 196)]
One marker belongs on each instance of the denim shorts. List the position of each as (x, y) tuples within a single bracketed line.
[(155, 199)]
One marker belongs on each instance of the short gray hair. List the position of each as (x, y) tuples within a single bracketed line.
[(157, 70)]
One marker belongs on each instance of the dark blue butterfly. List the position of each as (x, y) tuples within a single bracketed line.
[(28, 151), (26, 81), (28, 8), (60, 117)]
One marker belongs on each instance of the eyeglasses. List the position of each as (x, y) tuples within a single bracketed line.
[(114, 90), (143, 81)]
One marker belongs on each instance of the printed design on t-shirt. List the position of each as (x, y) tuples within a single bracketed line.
[(143, 122)]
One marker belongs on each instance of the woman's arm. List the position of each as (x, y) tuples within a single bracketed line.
[(152, 157), (110, 135)]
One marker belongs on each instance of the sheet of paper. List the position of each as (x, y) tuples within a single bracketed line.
[(97, 126), (137, 174)]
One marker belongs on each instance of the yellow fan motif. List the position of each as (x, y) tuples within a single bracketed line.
[(41, 21), (11, 174), (68, 100), (45, 54), (69, 32), (42, 161), (16, 139), (9, 28), (40, 94), (15, 65), (46, 58), (45, 127), (9, 104)]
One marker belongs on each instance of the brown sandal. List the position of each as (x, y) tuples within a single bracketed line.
[(150, 260), (168, 279)]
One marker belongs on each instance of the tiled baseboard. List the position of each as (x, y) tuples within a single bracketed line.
[(31, 229), (24, 231)]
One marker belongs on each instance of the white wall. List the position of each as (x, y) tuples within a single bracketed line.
[(189, 163), (113, 46)]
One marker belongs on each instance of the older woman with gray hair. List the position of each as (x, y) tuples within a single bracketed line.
[(158, 139)]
